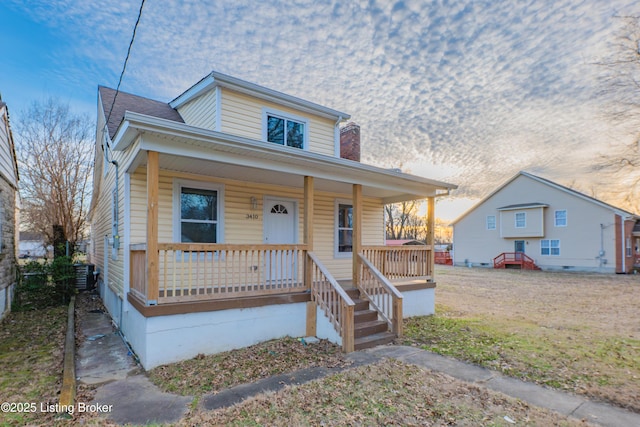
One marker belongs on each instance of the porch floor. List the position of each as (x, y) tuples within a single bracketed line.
[(413, 281)]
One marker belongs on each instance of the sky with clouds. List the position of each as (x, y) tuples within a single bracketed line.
[(465, 91)]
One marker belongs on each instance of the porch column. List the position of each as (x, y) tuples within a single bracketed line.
[(308, 240), (431, 224), (356, 237), (153, 257)]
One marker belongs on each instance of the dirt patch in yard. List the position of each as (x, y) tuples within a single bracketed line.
[(572, 331), (605, 304)]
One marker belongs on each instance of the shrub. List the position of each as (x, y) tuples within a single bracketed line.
[(42, 285)]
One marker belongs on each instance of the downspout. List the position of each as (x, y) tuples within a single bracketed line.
[(601, 254), (116, 227), (623, 242)]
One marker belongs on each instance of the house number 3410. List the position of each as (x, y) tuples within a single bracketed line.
[(251, 216)]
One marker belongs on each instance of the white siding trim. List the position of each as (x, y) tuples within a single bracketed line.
[(177, 187), (218, 125)]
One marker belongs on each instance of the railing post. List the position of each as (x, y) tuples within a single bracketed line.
[(308, 228), (356, 236), (431, 220), (153, 256), (397, 316), (348, 332)]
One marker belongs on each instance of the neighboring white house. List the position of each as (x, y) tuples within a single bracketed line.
[(32, 245), (8, 211), (227, 216), (559, 228)]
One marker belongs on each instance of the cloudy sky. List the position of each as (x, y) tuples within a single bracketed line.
[(465, 91)]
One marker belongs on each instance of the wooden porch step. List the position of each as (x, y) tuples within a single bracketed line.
[(363, 316), (361, 304), (374, 340), (370, 328), (354, 293)]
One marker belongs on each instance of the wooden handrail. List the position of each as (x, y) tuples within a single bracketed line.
[(380, 277), (393, 314), (212, 247), (399, 248), (334, 283), (400, 262), (340, 311)]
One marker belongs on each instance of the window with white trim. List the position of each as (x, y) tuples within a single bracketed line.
[(560, 218), (629, 252), (284, 129), (344, 228), (521, 220), (491, 222), (550, 247), (197, 212)]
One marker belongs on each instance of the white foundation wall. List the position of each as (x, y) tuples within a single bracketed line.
[(418, 303), (5, 300), (324, 328), (169, 339), (111, 301)]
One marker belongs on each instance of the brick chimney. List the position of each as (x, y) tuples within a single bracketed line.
[(350, 142)]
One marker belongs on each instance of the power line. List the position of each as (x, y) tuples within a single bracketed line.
[(126, 60)]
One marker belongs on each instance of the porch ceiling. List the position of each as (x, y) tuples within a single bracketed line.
[(192, 150)]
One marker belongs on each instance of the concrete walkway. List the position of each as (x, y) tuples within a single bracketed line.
[(566, 404), (104, 360)]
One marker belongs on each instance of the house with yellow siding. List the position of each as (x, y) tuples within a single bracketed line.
[(228, 217)]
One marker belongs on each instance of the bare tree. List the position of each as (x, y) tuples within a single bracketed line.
[(443, 231), (620, 98), (55, 161), (403, 222)]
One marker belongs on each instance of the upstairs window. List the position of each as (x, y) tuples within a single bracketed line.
[(491, 222), (521, 220), (283, 129), (560, 218)]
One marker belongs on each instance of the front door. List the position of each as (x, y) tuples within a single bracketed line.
[(280, 229), (518, 248)]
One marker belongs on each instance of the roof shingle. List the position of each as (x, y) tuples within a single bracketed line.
[(134, 103)]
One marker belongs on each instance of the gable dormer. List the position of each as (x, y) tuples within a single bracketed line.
[(225, 104)]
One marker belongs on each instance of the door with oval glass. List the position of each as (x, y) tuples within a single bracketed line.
[(280, 226)]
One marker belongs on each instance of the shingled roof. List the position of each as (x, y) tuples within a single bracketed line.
[(134, 103)]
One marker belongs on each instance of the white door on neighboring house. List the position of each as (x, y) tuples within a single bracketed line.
[(280, 222)]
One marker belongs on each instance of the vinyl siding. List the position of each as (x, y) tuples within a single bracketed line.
[(7, 165), (534, 223), (201, 112), (101, 224), (242, 115), (580, 241), (238, 229)]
